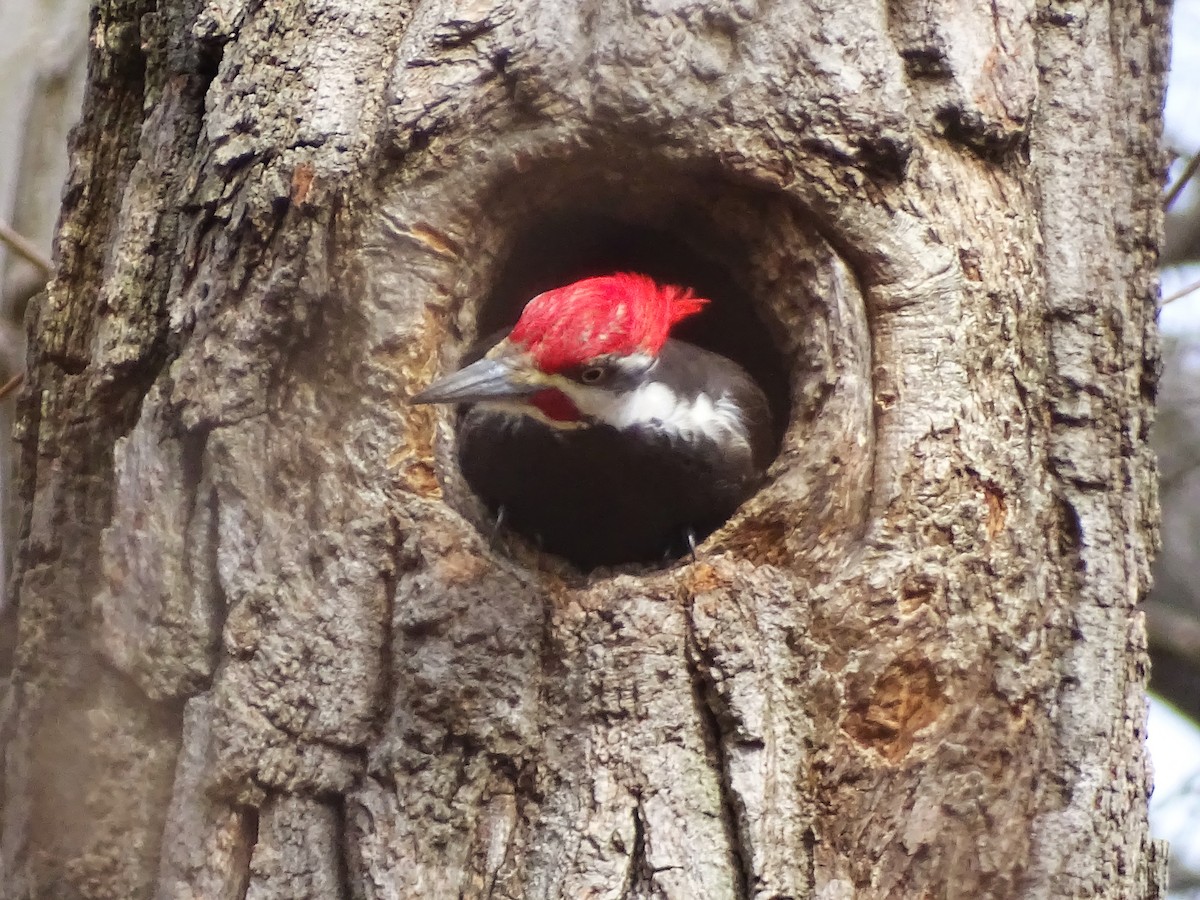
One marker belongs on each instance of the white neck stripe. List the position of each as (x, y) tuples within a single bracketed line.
[(654, 405)]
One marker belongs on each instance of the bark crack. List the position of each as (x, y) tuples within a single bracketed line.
[(709, 708), (641, 876), (201, 498), (250, 816), (387, 668), (341, 861)]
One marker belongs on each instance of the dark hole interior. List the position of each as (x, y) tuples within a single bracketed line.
[(566, 247), (561, 248)]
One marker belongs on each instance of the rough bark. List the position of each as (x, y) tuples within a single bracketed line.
[(265, 649)]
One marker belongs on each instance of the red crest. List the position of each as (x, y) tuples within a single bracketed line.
[(617, 314)]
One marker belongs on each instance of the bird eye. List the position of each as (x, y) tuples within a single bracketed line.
[(591, 374)]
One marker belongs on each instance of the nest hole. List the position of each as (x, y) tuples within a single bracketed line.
[(672, 242)]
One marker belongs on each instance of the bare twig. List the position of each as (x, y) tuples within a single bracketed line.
[(1182, 292), (11, 385), (1181, 182), (25, 248)]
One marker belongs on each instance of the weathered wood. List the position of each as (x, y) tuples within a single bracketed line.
[(267, 648)]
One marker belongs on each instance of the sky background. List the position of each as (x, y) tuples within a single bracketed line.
[(1174, 742), (1183, 136)]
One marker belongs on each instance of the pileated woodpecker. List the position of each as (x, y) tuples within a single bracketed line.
[(593, 432)]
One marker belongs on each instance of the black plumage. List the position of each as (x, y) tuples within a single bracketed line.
[(599, 495)]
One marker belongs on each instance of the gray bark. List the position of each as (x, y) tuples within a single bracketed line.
[(266, 648)]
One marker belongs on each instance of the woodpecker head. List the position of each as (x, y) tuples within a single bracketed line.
[(580, 355)]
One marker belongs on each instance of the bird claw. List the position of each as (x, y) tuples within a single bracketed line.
[(689, 537), (494, 537)]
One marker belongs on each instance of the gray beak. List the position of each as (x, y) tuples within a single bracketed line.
[(487, 379)]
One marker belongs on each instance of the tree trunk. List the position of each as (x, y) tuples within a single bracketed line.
[(267, 648)]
